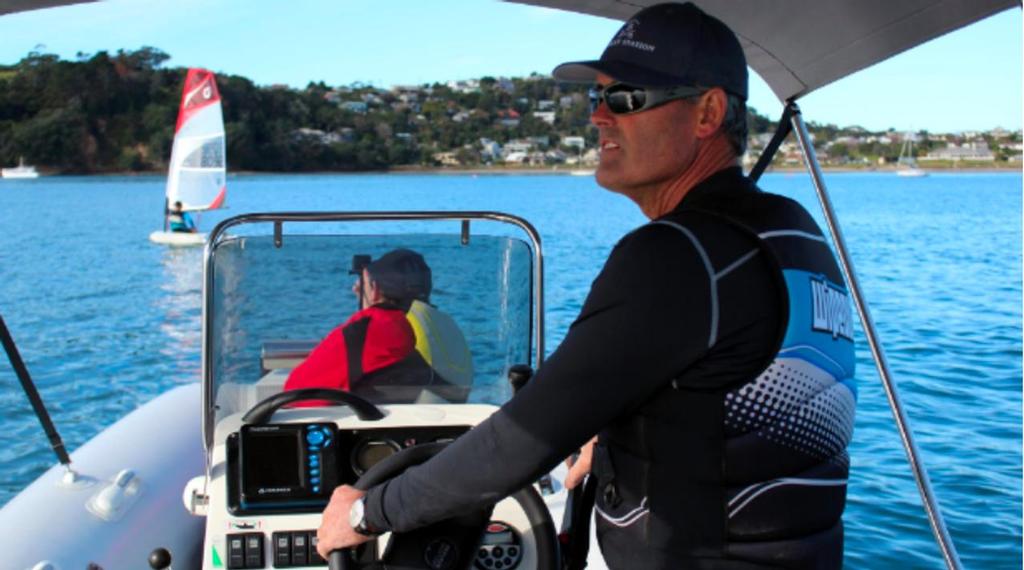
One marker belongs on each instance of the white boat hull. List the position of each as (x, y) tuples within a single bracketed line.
[(912, 173), (19, 173), (178, 238), (162, 444)]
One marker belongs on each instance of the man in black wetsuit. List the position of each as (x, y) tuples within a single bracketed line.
[(713, 356)]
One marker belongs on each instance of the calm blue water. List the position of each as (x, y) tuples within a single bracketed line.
[(106, 321)]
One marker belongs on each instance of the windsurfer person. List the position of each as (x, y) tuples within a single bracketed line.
[(713, 356), (376, 348), (179, 220)]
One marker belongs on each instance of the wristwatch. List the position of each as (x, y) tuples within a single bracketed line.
[(357, 519)]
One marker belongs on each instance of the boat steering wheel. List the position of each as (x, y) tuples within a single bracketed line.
[(263, 411), (453, 543)]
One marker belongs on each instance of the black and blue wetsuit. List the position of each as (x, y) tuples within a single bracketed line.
[(714, 356)]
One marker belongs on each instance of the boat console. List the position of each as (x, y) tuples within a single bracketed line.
[(272, 480), (274, 457)]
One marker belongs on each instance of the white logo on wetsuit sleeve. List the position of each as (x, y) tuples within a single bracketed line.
[(831, 310)]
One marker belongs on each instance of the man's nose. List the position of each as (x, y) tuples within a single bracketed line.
[(601, 116)]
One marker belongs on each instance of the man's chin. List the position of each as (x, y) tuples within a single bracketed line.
[(608, 178)]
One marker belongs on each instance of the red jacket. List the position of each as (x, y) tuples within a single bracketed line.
[(389, 339)]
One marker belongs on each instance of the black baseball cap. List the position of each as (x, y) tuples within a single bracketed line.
[(402, 274), (668, 45)]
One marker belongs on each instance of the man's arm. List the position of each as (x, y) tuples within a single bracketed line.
[(646, 319)]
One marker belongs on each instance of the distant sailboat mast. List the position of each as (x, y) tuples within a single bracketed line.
[(906, 165), (196, 176)]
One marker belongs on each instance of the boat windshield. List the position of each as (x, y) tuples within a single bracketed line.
[(269, 304)]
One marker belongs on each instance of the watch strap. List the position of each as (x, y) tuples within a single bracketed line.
[(363, 527)]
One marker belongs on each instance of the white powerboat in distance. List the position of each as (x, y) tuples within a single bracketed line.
[(20, 172)]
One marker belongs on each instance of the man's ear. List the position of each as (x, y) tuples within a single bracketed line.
[(711, 108)]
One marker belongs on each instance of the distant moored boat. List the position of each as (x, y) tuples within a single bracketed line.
[(907, 165), (20, 172)]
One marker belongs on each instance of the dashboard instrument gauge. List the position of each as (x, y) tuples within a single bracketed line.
[(370, 452)]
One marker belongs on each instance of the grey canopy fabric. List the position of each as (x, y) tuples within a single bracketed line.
[(11, 6), (797, 46)]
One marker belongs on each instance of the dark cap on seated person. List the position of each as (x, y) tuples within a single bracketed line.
[(402, 274), (668, 45)]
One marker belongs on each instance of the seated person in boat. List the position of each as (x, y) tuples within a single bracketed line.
[(179, 220), (396, 344)]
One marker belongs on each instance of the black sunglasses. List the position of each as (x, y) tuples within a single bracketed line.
[(625, 99)]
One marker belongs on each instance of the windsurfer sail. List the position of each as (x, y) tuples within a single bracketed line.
[(196, 177)]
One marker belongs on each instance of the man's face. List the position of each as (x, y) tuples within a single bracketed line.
[(370, 295), (644, 152)]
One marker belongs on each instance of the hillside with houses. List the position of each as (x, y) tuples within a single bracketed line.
[(116, 113), (854, 147), (570, 142)]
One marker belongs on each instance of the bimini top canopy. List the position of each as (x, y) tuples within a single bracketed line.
[(797, 46), (12, 6)]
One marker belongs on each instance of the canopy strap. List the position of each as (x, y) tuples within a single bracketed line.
[(781, 132), (33, 395)]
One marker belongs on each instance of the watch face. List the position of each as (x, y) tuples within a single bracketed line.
[(355, 514)]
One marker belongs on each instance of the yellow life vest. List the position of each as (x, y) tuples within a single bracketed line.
[(441, 343)]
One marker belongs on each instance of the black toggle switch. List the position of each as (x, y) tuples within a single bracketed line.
[(300, 548), (282, 549), (236, 551), (254, 550), (314, 557)]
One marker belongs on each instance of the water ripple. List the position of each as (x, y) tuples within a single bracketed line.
[(106, 321)]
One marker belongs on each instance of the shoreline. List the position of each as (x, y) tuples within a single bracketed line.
[(786, 170), (582, 172)]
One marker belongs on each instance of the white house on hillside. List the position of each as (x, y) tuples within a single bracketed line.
[(574, 141), (974, 150), (546, 116)]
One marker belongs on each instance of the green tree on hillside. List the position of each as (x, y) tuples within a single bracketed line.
[(117, 112)]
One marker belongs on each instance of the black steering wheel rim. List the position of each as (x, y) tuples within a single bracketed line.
[(264, 410), (541, 525)]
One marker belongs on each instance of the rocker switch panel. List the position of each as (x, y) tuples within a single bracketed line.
[(245, 550)]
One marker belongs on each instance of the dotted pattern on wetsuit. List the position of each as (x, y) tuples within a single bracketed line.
[(796, 404)]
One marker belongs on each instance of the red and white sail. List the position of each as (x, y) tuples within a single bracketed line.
[(197, 172)]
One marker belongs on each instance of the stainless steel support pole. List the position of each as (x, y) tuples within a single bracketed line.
[(924, 486)]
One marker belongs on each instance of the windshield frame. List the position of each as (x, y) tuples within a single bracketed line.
[(219, 235)]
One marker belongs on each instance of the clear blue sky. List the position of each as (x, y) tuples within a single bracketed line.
[(967, 80)]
